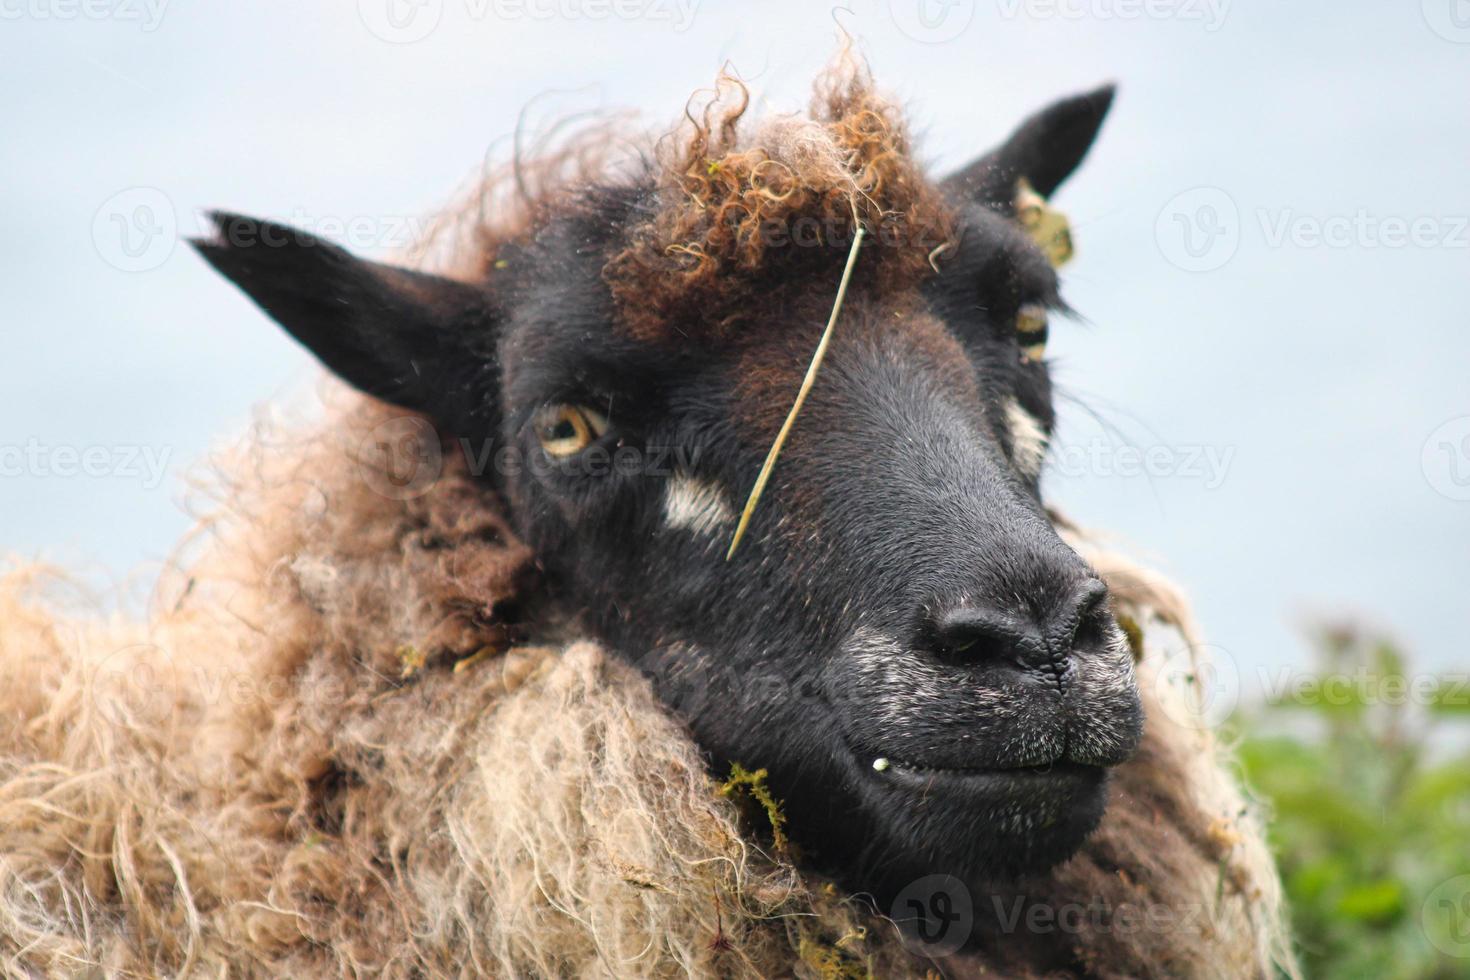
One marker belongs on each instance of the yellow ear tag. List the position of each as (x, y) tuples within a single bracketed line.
[(1047, 226)]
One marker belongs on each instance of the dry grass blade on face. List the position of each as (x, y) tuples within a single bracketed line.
[(806, 386)]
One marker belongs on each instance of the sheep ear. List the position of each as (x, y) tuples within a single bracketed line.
[(418, 341), (1044, 150)]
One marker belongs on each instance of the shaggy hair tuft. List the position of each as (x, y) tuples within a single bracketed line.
[(736, 215)]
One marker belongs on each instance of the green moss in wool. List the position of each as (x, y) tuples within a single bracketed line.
[(753, 786)]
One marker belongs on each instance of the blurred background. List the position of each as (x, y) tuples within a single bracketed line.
[(1268, 396)]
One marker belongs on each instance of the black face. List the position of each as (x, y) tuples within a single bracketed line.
[(932, 678)]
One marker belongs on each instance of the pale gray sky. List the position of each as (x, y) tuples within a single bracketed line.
[(1274, 260)]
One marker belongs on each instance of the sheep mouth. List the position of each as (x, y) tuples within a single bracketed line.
[(887, 767), (884, 764), (1057, 779)]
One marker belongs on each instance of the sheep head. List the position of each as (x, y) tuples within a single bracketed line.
[(933, 680)]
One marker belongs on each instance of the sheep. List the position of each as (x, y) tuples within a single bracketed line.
[(436, 692)]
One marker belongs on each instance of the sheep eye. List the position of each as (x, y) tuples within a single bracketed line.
[(565, 430), (1031, 330)]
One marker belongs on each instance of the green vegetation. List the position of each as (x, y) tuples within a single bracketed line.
[(752, 785), (1367, 769)]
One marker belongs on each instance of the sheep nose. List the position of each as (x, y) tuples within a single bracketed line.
[(984, 634)]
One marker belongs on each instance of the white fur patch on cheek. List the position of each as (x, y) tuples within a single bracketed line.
[(696, 505), (1028, 438)]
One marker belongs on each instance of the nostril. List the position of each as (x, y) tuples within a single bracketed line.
[(977, 633), (1090, 625), (974, 634)]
